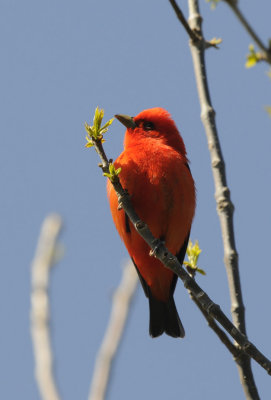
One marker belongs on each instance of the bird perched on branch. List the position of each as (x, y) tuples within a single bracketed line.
[(156, 174)]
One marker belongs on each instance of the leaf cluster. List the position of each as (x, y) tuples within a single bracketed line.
[(113, 173), (96, 131), (193, 253), (253, 57)]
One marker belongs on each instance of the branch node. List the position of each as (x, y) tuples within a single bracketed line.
[(194, 33), (103, 167), (225, 206), (197, 38), (207, 114), (140, 225), (216, 163), (200, 294), (235, 309), (156, 243), (186, 281), (223, 200), (212, 308)]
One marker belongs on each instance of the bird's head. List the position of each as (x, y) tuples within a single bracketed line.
[(153, 123)]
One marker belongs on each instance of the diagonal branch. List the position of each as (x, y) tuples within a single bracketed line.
[(42, 263), (233, 4), (191, 33), (111, 341), (159, 251), (217, 330)]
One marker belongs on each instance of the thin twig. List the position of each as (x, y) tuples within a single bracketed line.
[(42, 263), (159, 251), (120, 308), (233, 4), (218, 331), (236, 353), (193, 36)]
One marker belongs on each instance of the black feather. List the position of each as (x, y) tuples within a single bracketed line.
[(142, 280), (127, 224), (164, 318), (181, 253), (163, 315), (187, 166)]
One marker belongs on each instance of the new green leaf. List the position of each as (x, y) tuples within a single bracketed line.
[(96, 131), (193, 252)]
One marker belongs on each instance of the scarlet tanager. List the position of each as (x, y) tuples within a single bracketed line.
[(156, 174)]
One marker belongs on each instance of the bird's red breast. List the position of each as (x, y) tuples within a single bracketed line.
[(155, 172)]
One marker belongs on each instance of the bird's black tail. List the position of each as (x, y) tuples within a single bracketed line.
[(164, 318)]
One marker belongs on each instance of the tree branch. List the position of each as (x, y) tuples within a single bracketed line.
[(159, 251), (233, 4), (193, 36), (225, 207), (218, 331), (120, 307), (41, 265)]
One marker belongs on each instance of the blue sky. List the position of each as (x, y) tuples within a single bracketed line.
[(60, 59)]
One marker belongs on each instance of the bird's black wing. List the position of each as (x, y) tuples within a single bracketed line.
[(142, 281)]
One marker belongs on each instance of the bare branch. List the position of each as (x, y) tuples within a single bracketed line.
[(193, 36), (120, 308), (41, 265), (217, 330), (225, 207), (233, 4)]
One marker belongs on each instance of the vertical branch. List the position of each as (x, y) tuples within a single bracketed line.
[(42, 263), (225, 207), (222, 194), (120, 308)]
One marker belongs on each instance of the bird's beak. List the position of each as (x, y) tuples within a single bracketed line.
[(126, 121)]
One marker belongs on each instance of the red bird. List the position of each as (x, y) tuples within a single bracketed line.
[(156, 174)]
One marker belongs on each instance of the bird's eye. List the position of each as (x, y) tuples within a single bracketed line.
[(148, 126)]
